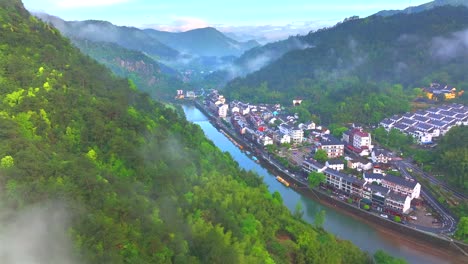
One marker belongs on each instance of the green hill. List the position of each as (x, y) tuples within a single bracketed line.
[(92, 171), (424, 7), (363, 69), (207, 42), (156, 79)]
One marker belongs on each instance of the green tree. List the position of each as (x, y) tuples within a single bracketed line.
[(397, 219), (321, 156), (319, 218), (462, 229), (7, 162), (315, 178), (380, 257)]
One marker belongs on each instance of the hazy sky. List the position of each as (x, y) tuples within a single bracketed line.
[(228, 15)]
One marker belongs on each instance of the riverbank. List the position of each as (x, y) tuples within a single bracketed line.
[(404, 238)]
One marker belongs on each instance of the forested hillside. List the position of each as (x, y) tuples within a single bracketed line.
[(93, 171), (156, 79), (363, 69)]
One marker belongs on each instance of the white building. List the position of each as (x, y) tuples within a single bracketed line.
[(223, 110)]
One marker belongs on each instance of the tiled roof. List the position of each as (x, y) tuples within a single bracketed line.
[(400, 181)]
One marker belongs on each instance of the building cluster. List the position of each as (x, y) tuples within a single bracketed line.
[(439, 92), (217, 104), (385, 192), (424, 125), (264, 123)]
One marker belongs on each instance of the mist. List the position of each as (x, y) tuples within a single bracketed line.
[(447, 48), (35, 235)]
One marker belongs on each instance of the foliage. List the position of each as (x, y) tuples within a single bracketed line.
[(365, 69), (452, 156), (150, 76), (397, 219), (321, 156), (366, 207), (462, 229), (316, 178), (380, 257), (319, 218), (144, 185)]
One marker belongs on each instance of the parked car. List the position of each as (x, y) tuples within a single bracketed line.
[(384, 216)]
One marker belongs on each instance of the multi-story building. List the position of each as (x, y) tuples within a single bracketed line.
[(332, 146), (397, 184), (344, 182), (296, 134), (358, 141), (335, 164), (381, 155)]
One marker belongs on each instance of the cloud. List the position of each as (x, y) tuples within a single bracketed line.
[(180, 24), (447, 48), (67, 4), (35, 235)]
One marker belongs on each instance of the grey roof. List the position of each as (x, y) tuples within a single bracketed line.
[(424, 126), (421, 118), (400, 181), (330, 140), (378, 151), (420, 113), (377, 176), (400, 126), (435, 116), (437, 123), (344, 176), (335, 161), (314, 163), (386, 121), (397, 197), (407, 121), (377, 188)]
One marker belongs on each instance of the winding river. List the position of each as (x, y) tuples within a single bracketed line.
[(366, 236)]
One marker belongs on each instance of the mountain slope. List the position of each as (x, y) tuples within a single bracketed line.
[(254, 59), (103, 31), (366, 56), (202, 42), (424, 7), (91, 171), (158, 80)]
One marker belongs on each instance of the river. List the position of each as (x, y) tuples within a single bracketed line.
[(366, 236)]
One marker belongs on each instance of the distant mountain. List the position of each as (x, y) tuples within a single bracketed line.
[(424, 7), (207, 42), (160, 44), (353, 60), (102, 31), (152, 77), (254, 59)]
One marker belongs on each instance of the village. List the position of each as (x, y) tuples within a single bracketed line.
[(353, 169)]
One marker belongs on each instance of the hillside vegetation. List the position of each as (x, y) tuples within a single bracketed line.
[(156, 79), (363, 69), (86, 158)]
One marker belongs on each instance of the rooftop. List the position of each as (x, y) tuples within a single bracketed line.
[(400, 181)]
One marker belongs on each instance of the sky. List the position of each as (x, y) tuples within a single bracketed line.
[(269, 18)]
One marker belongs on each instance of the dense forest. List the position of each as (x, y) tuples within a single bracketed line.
[(154, 78), (363, 69), (93, 171)]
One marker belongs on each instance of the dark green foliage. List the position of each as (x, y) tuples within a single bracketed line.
[(363, 70), (452, 156), (315, 178), (143, 184), (156, 79), (380, 257), (321, 156)]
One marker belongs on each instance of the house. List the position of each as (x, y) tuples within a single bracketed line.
[(310, 165), (336, 164), (357, 162), (281, 138), (265, 140), (296, 134), (387, 123), (400, 185), (373, 177), (344, 182), (332, 146), (380, 155), (376, 194), (307, 126), (397, 203), (223, 110)]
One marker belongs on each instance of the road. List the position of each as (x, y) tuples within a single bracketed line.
[(432, 179), (448, 221)]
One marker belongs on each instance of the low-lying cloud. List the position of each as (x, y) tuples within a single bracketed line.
[(36, 235), (447, 48)]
